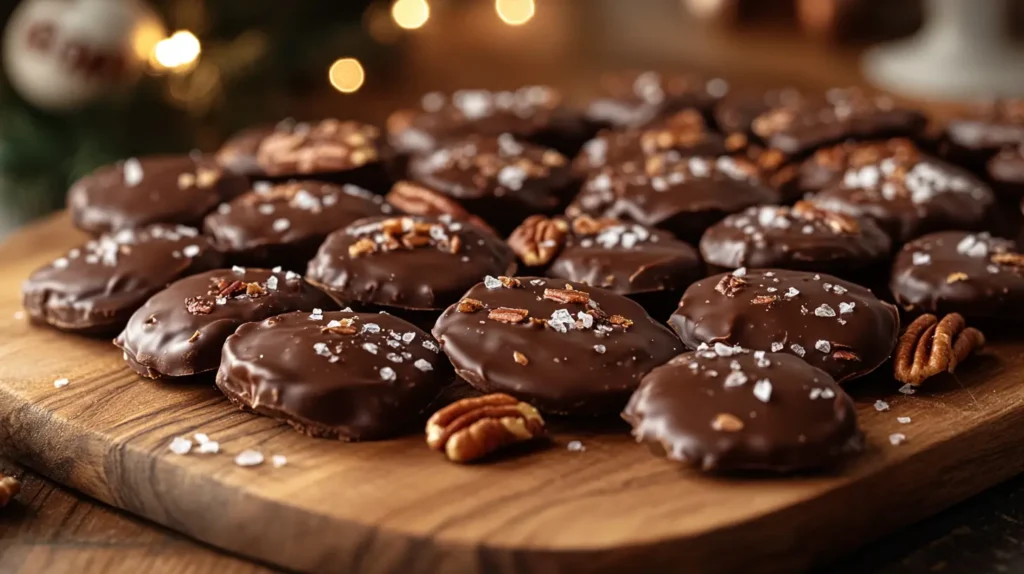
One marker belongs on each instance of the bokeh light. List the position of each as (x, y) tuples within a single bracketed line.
[(410, 14), (347, 75), (515, 12), (178, 52)]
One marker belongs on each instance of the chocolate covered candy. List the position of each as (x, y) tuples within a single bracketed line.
[(682, 196), (531, 113), (156, 189), (636, 98), (799, 237), (1006, 172), (413, 266), (830, 323), (284, 224), (911, 198), (179, 331), (798, 128), (727, 409), (736, 112), (341, 375), (828, 166), (974, 274), (565, 347), (339, 151), (238, 153), (95, 287), (684, 133), (499, 179), (979, 135)]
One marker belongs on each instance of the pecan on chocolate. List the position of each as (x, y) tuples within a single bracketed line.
[(9, 488), (468, 305), (730, 285), (538, 239), (472, 428), (930, 346), (329, 145), (1008, 259), (837, 222), (584, 225), (567, 296), (415, 199), (508, 315), (198, 306)]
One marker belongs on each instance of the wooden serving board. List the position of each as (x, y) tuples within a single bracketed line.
[(395, 506)]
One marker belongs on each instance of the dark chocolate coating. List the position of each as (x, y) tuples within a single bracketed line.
[(911, 199), (284, 224), (342, 375), (683, 197), (685, 134), (238, 153), (972, 140), (174, 189), (805, 314), (827, 166), (1006, 172), (701, 409), (95, 287), (426, 277), (179, 331), (628, 259), (842, 114), (499, 179), (636, 98), (926, 276), (582, 371), (532, 113), (804, 239), (738, 110)]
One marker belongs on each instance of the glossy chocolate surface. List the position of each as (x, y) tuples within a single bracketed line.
[(499, 179), (801, 237), (180, 331), (725, 409), (974, 274), (95, 287), (738, 110), (284, 224), (337, 374), (579, 352), (832, 324), (410, 262), (636, 98), (238, 153), (174, 189)]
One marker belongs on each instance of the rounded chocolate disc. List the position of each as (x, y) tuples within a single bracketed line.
[(832, 324), (908, 199), (499, 179), (284, 224), (1006, 171), (409, 262), (827, 166), (727, 409), (736, 112), (95, 288), (797, 128), (565, 347), (799, 237), (176, 189), (238, 154), (685, 133), (531, 113), (683, 197), (342, 151), (973, 139), (179, 331), (632, 99), (974, 274), (337, 374)]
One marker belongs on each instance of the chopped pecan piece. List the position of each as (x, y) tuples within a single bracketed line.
[(620, 321), (346, 326), (509, 282), (472, 428), (726, 422), (254, 289), (567, 296), (1010, 259), (956, 277), (764, 299), (538, 239), (508, 315), (416, 199), (227, 289), (198, 306), (584, 225), (520, 358), (730, 285), (364, 246), (469, 306), (930, 346), (845, 355)]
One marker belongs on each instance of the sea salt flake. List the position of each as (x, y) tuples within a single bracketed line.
[(370, 328), (281, 224), (723, 350), (408, 337), (792, 292), (209, 447), (903, 420), (600, 349), (897, 438), (823, 346), (423, 365), (430, 345), (278, 460), (919, 258), (881, 405), (201, 437), (394, 358), (575, 446), (800, 351), (237, 270), (60, 383), (839, 289), (370, 348), (249, 458), (492, 282), (586, 318), (824, 310), (180, 445), (321, 349), (740, 272), (735, 379), (763, 390), (908, 389), (132, 172), (846, 308), (291, 276), (387, 373), (272, 283), (815, 393)]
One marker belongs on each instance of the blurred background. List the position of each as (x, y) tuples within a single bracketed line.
[(87, 82)]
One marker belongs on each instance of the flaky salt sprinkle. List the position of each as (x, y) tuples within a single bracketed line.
[(423, 365), (763, 390), (881, 405), (278, 460), (132, 172), (492, 282), (919, 258), (272, 283), (281, 224), (908, 389), (249, 457), (846, 308), (740, 272), (237, 270), (387, 373), (723, 350), (62, 382), (276, 269), (823, 346), (777, 346), (824, 310), (735, 379), (799, 350), (897, 438), (903, 420), (209, 447), (291, 276), (317, 314), (575, 446), (600, 349), (180, 445)]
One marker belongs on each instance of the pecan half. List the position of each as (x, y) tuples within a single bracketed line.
[(567, 296), (344, 327), (472, 428), (538, 239), (730, 285), (930, 346), (468, 305), (508, 315), (416, 199)]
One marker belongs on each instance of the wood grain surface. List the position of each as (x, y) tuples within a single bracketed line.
[(394, 506)]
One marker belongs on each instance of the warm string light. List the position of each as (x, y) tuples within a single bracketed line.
[(179, 52), (515, 12), (410, 14), (347, 75)]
